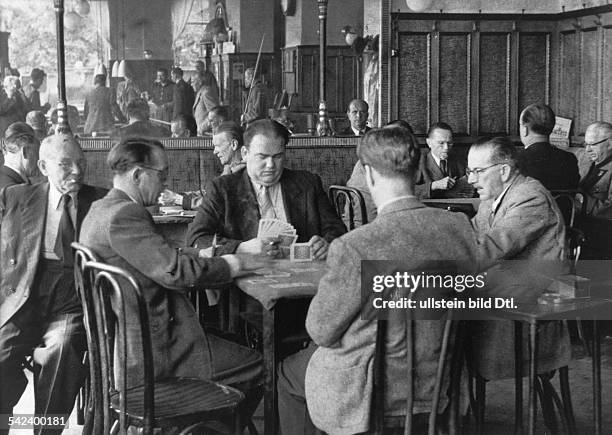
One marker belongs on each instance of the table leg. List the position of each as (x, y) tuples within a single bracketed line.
[(597, 378), (533, 374), (269, 357), (518, 378), (233, 309)]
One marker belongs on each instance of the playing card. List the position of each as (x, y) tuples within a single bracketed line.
[(300, 252), (287, 240), (278, 275), (291, 285), (262, 281)]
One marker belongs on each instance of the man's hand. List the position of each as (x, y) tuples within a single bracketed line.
[(443, 184), (256, 246), (319, 247), (243, 264), (168, 197)]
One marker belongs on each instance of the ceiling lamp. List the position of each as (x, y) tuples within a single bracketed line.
[(419, 5), (115, 69), (82, 8), (72, 20), (121, 69), (100, 69)]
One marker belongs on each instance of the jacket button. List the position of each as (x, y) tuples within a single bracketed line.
[(11, 289), (12, 261)]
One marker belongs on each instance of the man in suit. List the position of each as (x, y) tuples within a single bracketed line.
[(517, 220), (439, 169), (121, 232), (336, 378), (40, 314), (20, 148), (139, 124), (13, 104), (357, 114), (32, 92), (234, 204), (101, 108), (162, 93), (127, 91), (206, 98), (554, 168), (253, 98), (183, 97), (596, 164)]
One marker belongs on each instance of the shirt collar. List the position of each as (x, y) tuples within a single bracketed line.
[(357, 132), (392, 200), (55, 197)]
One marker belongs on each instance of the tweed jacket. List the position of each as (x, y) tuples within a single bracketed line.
[(596, 186), (122, 233), (528, 228), (339, 377), (9, 177), (230, 210), (23, 211), (429, 171), (554, 168)]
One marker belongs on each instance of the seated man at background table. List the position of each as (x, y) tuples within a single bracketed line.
[(121, 232), (139, 124), (357, 114), (596, 164), (234, 204), (517, 220), (335, 381), (440, 170)]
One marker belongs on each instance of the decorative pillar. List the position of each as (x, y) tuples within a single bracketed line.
[(323, 122), (62, 108)]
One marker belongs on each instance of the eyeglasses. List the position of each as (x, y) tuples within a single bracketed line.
[(584, 144), (478, 171), (162, 173)]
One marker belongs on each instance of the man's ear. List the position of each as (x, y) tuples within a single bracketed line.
[(369, 175), (234, 145), (136, 175), (42, 167), (244, 152)]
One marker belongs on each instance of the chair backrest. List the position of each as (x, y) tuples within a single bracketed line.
[(570, 203), (112, 288), (576, 240), (84, 281), (348, 201)]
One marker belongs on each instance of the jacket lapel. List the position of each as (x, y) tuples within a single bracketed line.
[(294, 201), (247, 206), (433, 168), (34, 214)]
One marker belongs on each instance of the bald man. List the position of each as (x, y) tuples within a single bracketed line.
[(596, 165), (40, 314)]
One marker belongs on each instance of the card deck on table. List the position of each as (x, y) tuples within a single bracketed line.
[(300, 252)]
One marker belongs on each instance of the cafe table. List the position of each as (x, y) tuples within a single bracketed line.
[(173, 225), (585, 309), (284, 279)]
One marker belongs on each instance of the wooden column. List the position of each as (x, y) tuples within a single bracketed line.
[(62, 109), (323, 123)]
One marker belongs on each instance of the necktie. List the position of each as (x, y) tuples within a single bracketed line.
[(443, 167), (267, 207), (65, 233)]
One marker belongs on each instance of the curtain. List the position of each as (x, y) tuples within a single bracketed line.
[(100, 15), (181, 9)]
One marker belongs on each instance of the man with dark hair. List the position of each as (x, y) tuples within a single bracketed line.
[(357, 114), (40, 314), (183, 97), (517, 220), (121, 232), (227, 142), (20, 148), (139, 124), (37, 120), (32, 92), (216, 116), (554, 168), (440, 169), (333, 383), (234, 204), (162, 93), (100, 108)]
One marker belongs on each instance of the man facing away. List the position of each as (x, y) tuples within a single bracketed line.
[(40, 314), (596, 183), (101, 108), (32, 91), (122, 233), (554, 168), (20, 149), (335, 380)]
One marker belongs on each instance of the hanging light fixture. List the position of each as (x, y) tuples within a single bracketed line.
[(82, 8), (419, 5), (100, 69), (121, 69), (115, 69)]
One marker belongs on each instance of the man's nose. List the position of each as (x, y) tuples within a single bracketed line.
[(472, 178), (269, 162)]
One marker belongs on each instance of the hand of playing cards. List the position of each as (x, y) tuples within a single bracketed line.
[(285, 237)]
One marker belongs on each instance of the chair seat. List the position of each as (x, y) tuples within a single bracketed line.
[(181, 397)]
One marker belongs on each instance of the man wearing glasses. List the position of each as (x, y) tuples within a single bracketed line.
[(596, 183), (40, 314), (517, 220)]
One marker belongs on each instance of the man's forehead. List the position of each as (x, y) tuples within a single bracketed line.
[(441, 132), (357, 107), (479, 154), (267, 144)]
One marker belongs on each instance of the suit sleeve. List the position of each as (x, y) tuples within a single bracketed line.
[(573, 173), (132, 235), (178, 101), (209, 221), (600, 207), (338, 300), (331, 225)]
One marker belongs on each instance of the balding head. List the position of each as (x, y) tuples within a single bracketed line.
[(357, 114), (598, 141), (62, 161)]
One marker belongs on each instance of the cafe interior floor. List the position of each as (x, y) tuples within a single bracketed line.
[(500, 399)]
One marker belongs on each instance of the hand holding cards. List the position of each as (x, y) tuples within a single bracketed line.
[(276, 235)]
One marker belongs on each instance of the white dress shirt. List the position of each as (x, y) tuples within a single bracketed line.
[(54, 214)]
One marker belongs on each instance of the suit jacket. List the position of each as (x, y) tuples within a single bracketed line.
[(596, 184), (230, 210), (141, 129), (254, 108), (122, 233), (339, 377), (100, 110), (183, 99), (11, 109), (9, 177), (429, 171), (206, 98), (348, 131), (126, 92), (554, 168), (23, 211), (528, 228)]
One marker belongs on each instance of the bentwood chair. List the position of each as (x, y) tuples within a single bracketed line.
[(571, 203), (449, 367), (347, 201), (183, 403)]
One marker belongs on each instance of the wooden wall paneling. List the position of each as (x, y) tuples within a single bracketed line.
[(534, 68), (454, 81), (433, 83), (606, 74), (494, 96), (475, 79), (414, 76), (569, 78), (588, 102)]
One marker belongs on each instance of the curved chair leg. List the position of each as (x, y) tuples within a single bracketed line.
[(481, 391), (548, 410), (567, 399), (550, 390)]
